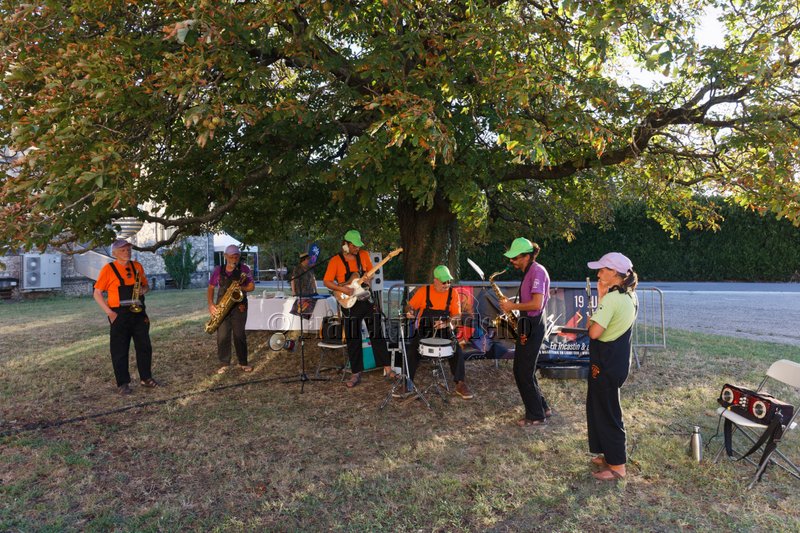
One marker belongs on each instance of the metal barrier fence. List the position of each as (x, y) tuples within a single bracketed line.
[(649, 330), (648, 333)]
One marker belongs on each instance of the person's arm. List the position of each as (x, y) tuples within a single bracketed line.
[(249, 284), (366, 264), (145, 286), (602, 290), (294, 283), (330, 279), (535, 304), (98, 297), (210, 297), (414, 303), (601, 318), (595, 330)]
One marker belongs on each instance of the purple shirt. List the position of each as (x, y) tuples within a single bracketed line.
[(536, 281), (214, 281)]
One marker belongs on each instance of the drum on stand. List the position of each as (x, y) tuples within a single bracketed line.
[(436, 348)]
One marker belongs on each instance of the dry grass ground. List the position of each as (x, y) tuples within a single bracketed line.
[(203, 453)]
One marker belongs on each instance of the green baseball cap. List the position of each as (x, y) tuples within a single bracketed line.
[(521, 245), (442, 273), (354, 237)]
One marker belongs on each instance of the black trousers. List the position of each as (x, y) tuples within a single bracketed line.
[(456, 361), (364, 310), (129, 326), (610, 364), (233, 326), (525, 359)]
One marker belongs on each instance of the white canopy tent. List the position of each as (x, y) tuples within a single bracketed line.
[(223, 240)]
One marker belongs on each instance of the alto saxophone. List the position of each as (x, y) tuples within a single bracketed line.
[(507, 320), (136, 305), (232, 296)]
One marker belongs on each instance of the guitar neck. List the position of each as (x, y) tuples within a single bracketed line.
[(377, 267)]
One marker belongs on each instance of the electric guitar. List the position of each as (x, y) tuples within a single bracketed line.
[(360, 293)]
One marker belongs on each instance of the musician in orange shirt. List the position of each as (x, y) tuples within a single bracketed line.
[(435, 306), (118, 279), (354, 260)]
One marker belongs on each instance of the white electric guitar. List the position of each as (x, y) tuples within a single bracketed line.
[(360, 293)]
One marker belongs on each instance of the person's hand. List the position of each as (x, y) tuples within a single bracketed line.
[(112, 316), (212, 309), (602, 290), (506, 305), (439, 324), (410, 314)]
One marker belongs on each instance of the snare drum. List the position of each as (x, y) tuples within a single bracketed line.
[(436, 347)]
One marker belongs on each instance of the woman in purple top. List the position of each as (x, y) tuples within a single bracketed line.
[(534, 292)]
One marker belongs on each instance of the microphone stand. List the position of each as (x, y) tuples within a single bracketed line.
[(303, 377), (404, 377)]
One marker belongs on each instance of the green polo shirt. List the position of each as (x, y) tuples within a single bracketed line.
[(616, 314)]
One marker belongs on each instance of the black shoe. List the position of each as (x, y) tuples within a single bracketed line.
[(124, 389)]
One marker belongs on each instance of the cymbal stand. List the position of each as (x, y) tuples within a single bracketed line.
[(403, 377)]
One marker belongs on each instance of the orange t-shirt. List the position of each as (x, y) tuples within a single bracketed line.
[(438, 300), (336, 269), (108, 281)]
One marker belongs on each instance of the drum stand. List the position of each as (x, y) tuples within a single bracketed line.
[(403, 378), (439, 377)]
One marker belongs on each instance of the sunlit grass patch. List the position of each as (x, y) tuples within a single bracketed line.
[(247, 452)]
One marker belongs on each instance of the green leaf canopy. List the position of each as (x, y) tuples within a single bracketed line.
[(429, 121)]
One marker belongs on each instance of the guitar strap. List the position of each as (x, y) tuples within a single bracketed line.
[(347, 270)]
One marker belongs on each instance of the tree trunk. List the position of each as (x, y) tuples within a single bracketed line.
[(429, 238)]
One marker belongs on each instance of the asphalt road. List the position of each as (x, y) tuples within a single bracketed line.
[(767, 312)]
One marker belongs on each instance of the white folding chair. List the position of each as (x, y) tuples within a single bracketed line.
[(787, 372), (328, 349)]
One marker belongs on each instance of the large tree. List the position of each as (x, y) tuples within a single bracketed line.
[(443, 119)]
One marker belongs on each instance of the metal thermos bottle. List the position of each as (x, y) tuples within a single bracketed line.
[(696, 444)]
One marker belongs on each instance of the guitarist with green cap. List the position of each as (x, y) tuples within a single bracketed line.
[(354, 262)]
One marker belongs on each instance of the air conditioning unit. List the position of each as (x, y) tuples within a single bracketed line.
[(41, 272)]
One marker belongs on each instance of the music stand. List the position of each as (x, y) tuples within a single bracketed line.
[(303, 377)]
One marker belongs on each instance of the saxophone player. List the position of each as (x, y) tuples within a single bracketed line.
[(233, 324), (534, 292), (118, 279)]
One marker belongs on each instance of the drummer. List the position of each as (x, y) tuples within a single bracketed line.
[(434, 305)]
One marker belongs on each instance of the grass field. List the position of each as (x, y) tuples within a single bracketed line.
[(246, 452)]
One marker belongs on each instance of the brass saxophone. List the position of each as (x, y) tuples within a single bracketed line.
[(136, 305), (508, 320), (232, 296)]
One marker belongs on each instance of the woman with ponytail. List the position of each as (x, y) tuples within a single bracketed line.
[(610, 356)]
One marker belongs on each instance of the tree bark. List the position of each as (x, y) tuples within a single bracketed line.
[(429, 237)]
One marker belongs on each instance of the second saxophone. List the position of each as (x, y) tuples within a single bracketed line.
[(507, 320), (232, 296)]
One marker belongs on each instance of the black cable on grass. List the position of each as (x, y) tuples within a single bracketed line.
[(35, 426)]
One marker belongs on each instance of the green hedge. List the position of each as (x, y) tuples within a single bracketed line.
[(748, 247)]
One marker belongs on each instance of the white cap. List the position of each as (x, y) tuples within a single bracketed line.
[(614, 261)]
